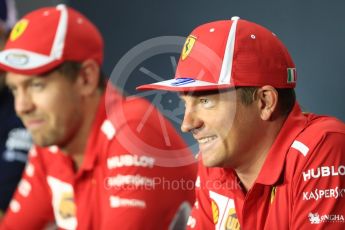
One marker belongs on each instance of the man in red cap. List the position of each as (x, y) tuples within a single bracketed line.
[(100, 161), (263, 163)]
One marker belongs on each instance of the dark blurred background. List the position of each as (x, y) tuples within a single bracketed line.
[(312, 30)]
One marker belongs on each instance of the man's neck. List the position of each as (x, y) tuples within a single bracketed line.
[(76, 147), (250, 168)]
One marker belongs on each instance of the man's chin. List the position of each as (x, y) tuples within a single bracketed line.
[(41, 141), (208, 160)]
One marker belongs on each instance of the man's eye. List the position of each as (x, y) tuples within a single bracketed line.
[(12, 90), (37, 85), (206, 102)]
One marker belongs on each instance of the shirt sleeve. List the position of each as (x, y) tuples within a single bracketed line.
[(30, 208), (319, 195), (147, 186), (201, 215)]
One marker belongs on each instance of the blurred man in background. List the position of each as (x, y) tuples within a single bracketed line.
[(87, 170), (15, 141)]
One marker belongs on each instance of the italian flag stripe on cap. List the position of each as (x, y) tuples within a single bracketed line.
[(291, 78)]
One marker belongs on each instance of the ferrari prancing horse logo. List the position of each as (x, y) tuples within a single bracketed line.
[(187, 47), (18, 29)]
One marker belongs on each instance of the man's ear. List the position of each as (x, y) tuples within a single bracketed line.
[(267, 98), (88, 77)]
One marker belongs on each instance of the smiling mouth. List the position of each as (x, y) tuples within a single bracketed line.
[(33, 124), (205, 140)]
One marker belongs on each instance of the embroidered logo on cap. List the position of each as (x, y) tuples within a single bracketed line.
[(182, 81), (187, 47), (19, 29), (17, 59)]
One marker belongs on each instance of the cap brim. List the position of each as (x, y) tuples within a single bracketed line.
[(26, 62), (196, 85)]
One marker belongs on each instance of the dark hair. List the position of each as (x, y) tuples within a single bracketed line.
[(70, 69), (286, 98)]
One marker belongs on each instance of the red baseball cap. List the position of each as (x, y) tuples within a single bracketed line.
[(228, 53), (45, 38)]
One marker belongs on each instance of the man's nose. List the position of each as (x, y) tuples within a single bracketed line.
[(190, 120), (23, 102)]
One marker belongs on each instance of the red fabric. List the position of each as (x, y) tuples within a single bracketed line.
[(295, 189)]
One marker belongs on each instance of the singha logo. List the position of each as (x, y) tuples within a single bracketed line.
[(314, 218)]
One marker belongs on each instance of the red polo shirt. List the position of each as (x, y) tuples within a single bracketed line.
[(300, 186), (131, 176)]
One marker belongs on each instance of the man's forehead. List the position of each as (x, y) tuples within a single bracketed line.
[(15, 78), (205, 93)]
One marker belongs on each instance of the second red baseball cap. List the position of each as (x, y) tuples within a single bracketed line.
[(229, 53), (45, 38)]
